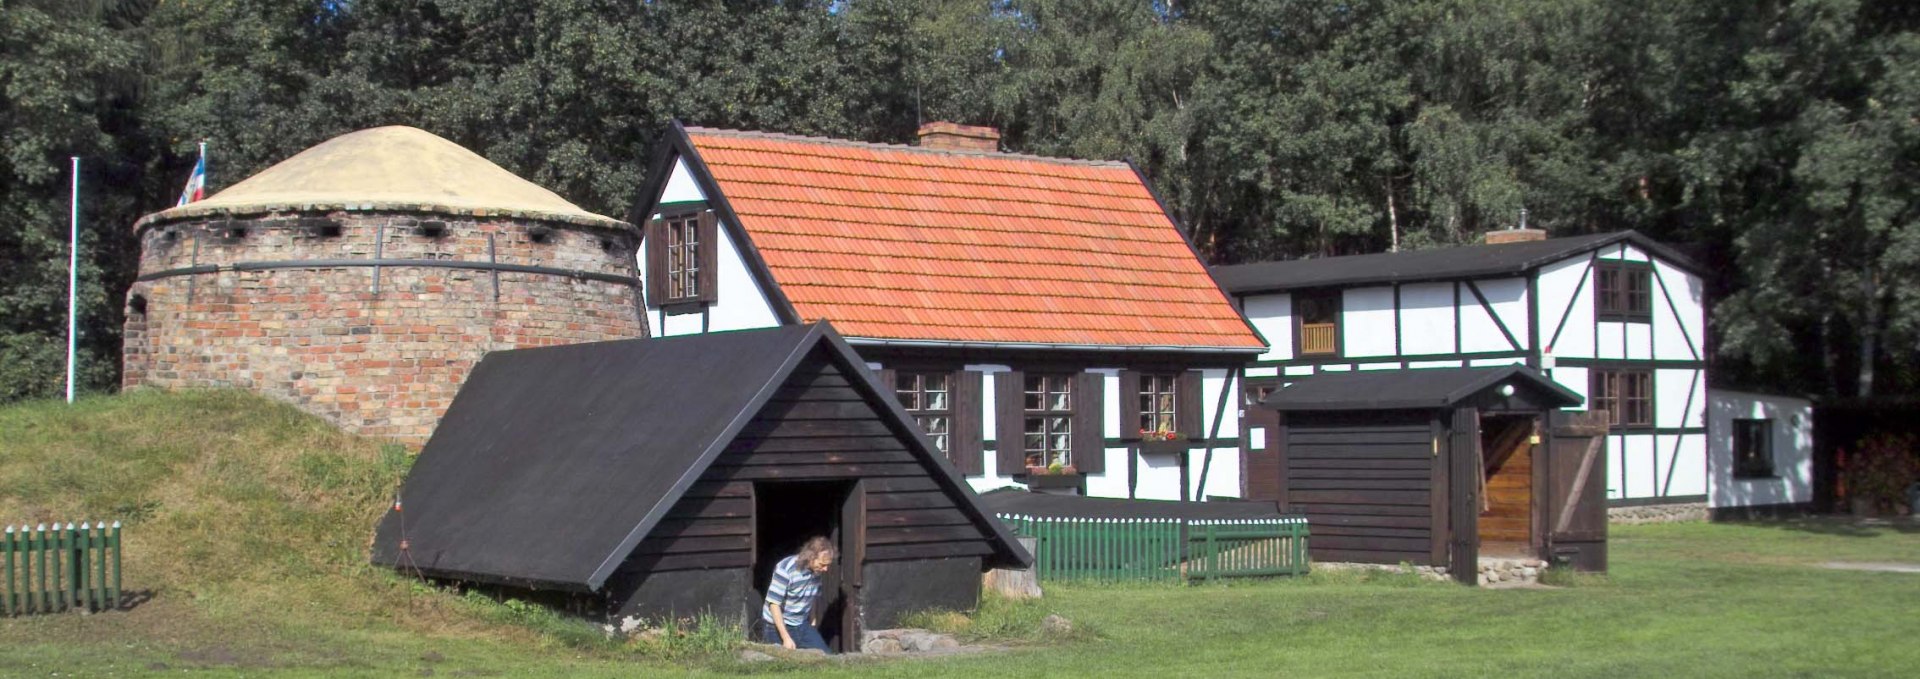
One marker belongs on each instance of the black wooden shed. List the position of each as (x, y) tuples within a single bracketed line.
[(1439, 466), (661, 477)]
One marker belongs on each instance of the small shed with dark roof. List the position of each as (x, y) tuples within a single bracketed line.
[(665, 477), (1440, 466)]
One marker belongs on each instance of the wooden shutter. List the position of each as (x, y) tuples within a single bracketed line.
[(656, 247), (1187, 404), (1129, 404), (1089, 423), (708, 276), (1010, 422), (964, 435)]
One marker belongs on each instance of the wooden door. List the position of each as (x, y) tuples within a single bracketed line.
[(852, 543), (1463, 495), (1260, 445), (1576, 492)]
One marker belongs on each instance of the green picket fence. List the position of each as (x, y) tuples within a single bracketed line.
[(1116, 550), (62, 568)]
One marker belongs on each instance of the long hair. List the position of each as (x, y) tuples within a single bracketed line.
[(815, 546)]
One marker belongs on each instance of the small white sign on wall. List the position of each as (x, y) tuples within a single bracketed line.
[(1257, 438)]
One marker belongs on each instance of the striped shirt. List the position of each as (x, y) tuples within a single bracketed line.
[(793, 587)]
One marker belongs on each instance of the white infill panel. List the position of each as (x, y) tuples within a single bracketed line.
[(1575, 379), (1481, 326), (1610, 335), (1639, 340), (1367, 326), (1426, 316), (1677, 326), (1687, 474), (681, 187), (1679, 398), (740, 302), (1566, 308), (1272, 315)]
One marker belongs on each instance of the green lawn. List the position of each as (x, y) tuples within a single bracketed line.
[(253, 549)]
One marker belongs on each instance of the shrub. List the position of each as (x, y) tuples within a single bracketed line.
[(1881, 468)]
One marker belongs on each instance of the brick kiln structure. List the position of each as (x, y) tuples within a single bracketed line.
[(363, 278)]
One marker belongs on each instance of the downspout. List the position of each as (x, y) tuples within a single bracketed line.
[(1219, 413)]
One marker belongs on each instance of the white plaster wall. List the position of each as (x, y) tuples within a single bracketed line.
[(1479, 330), (1267, 371), (1639, 340), (1609, 335), (1366, 322), (1426, 311), (1491, 362), (1433, 364), (1380, 366), (1299, 370), (1623, 251), (1575, 379), (1678, 330), (681, 186), (1633, 472), (1670, 389), (1683, 464), (1272, 315), (741, 303), (1792, 450), (1560, 282)]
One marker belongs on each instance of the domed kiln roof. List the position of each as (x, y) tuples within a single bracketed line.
[(389, 168)]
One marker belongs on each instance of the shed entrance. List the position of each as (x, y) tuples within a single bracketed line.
[(785, 516), (1507, 444)]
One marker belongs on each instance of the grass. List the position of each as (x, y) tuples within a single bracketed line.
[(248, 523)]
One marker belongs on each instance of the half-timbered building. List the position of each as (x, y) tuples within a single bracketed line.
[(1617, 318), (1042, 319)]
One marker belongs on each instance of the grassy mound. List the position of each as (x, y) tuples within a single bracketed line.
[(248, 524)]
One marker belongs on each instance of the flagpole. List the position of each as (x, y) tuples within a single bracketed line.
[(73, 277)]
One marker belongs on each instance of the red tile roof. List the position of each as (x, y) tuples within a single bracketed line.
[(896, 242)]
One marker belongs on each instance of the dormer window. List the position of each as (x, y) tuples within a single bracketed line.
[(1623, 291), (681, 259), (1317, 322)]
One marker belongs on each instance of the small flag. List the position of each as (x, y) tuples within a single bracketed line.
[(197, 184)]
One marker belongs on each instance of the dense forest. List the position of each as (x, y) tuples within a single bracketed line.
[(1777, 140)]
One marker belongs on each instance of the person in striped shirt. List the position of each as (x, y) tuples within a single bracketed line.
[(790, 594)]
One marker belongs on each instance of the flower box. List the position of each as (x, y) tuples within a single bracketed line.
[(1164, 447), (1040, 477)]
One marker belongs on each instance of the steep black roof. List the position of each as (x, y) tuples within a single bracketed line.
[(1467, 261), (551, 464), (1016, 501), (1416, 388)]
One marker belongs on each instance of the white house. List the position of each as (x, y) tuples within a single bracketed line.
[(1034, 314), (1760, 458), (1617, 318)]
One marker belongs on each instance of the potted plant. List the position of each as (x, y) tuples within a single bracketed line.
[(1162, 441), (1878, 473)]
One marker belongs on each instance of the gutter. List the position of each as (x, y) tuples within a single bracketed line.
[(1128, 348)]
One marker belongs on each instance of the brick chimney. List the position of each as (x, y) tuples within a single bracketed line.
[(948, 136), (1513, 236)]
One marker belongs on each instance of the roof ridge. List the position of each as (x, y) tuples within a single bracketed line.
[(880, 146)]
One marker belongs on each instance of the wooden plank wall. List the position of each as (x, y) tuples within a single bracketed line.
[(816, 428), (1508, 516), (1365, 482)]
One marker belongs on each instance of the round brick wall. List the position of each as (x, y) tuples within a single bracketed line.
[(290, 306)]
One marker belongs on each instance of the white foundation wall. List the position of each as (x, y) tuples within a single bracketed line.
[(1792, 446)]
